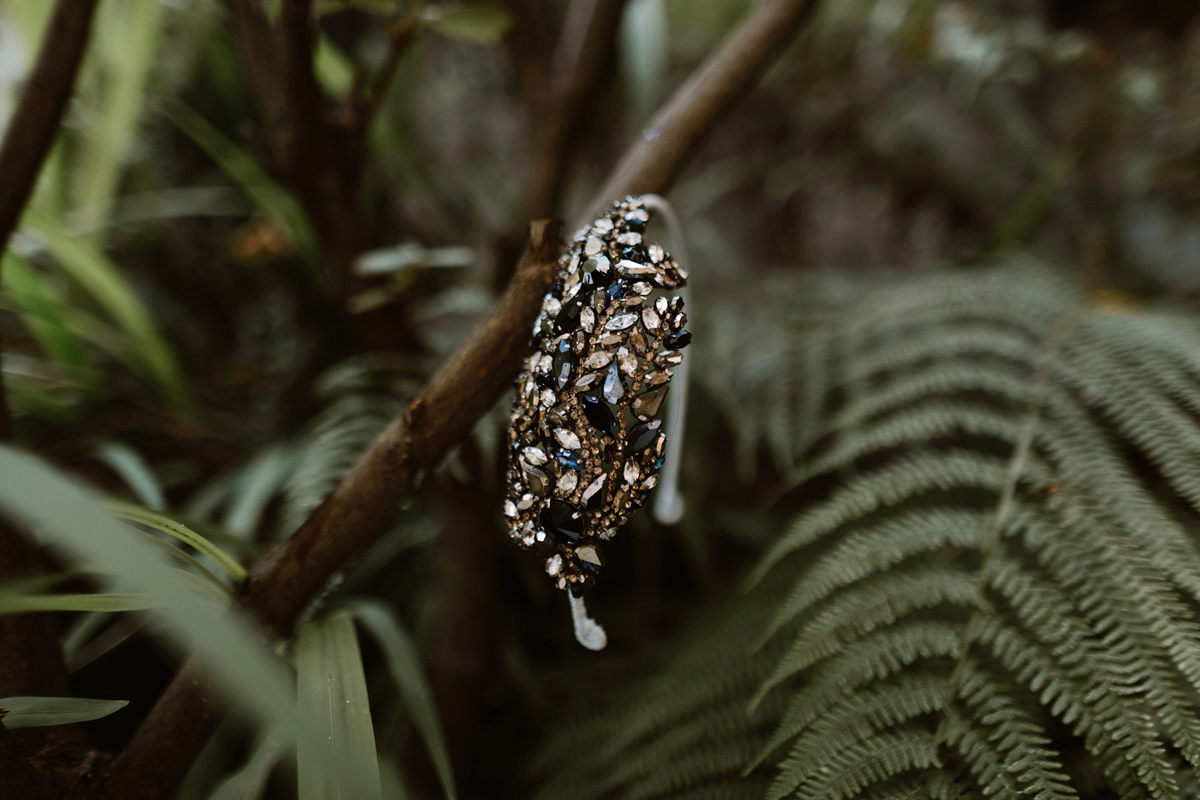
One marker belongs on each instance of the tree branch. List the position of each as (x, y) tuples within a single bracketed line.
[(33, 126), (585, 48), (282, 584), (653, 161)]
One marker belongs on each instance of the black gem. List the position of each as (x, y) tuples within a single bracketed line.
[(568, 317), (635, 225), (636, 253), (677, 340), (599, 414), (601, 277), (642, 436), (563, 517)]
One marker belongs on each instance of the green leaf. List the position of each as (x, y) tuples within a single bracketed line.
[(38, 712), (333, 694), (66, 516), (254, 487), (272, 198), (181, 532), (121, 57), (643, 50), (250, 781), (101, 278), (43, 313), (101, 601), (404, 665), (480, 23), (334, 71), (133, 469)]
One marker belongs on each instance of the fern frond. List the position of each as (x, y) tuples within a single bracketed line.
[(992, 589)]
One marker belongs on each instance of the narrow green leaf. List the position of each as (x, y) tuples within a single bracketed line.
[(133, 513), (38, 712), (100, 601), (133, 469), (42, 313), (480, 23), (119, 62), (101, 278), (256, 484), (68, 517), (272, 198), (643, 50), (400, 654), (250, 781), (333, 694)]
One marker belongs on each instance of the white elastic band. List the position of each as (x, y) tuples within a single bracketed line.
[(587, 631), (668, 500)]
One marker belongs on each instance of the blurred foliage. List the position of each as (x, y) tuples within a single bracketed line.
[(176, 339)]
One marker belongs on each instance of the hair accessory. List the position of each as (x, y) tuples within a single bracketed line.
[(587, 440)]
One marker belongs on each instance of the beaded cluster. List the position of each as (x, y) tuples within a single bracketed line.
[(586, 442)]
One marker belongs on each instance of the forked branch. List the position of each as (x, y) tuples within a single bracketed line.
[(288, 578)]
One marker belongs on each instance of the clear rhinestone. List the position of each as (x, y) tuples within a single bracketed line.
[(621, 322), (573, 264), (650, 482), (510, 508), (614, 389), (567, 482), (656, 253), (597, 360), (525, 503), (668, 358), (567, 439), (588, 553), (634, 269), (640, 215), (548, 398), (609, 339), (593, 246), (631, 237), (554, 565), (627, 361), (650, 319), (552, 306), (594, 487), (631, 472), (586, 380), (655, 378), (660, 305), (587, 319), (642, 288), (534, 455), (604, 224)]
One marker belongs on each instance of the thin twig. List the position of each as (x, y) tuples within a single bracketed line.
[(286, 580), (585, 48), (401, 33), (33, 126), (652, 162)]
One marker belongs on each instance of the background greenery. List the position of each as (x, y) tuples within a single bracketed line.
[(941, 536)]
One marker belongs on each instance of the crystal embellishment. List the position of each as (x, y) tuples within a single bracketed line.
[(586, 441)]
